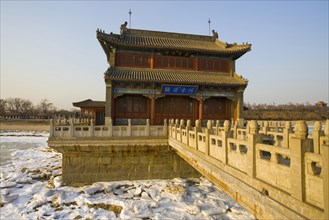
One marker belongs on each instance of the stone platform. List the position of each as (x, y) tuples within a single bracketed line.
[(89, 160)]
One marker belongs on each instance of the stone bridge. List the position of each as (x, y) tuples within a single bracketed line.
[(275, 172)]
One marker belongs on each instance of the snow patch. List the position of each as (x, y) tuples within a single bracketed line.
[(31, 188)]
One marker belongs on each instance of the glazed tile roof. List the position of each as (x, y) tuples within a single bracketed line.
[(89, 103), (173, 76), (143, 39)]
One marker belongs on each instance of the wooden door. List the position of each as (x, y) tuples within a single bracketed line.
[(174, 107), (215, 108)]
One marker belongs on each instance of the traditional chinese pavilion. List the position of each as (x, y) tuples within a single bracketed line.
[(160, 75)]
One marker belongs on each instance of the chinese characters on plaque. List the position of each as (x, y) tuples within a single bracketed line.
[(178, 89)]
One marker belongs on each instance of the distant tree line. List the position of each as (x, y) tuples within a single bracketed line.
[(24, 108), (290, 111)]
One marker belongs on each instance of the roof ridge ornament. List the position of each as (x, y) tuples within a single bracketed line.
[(214, 34), (123, 28), (99, 31)]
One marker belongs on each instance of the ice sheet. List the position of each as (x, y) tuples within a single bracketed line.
[(31, 188)]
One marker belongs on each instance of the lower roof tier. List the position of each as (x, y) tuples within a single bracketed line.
[(173, 76)]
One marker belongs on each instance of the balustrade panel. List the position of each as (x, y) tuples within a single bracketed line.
[(192, 139), (314, 179), (184, 136), (216, 148), (237, 154), (273, 165), (157, 131), (201, 142)]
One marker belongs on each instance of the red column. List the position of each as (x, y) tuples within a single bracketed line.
[(152, 110), (152, 61), (196, 60), (235, 111), (200, 109)]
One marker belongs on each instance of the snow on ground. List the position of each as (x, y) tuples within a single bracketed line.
[(31, 188)]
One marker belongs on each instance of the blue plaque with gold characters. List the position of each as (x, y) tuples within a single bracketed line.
[(179, 89)]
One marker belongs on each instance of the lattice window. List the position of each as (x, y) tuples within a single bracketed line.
[(132, 60)]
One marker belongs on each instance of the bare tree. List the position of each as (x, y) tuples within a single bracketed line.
[(46, 107), (3, 107), (14, 105), (27, 107), (19, 106)]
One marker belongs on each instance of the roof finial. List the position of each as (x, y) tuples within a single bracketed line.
[(129, 18), (209, 25), (123, 28), (214, 34)]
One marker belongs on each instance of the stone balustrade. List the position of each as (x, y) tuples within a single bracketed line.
[(63, 121), (275, 169), (70, 128), (286, 164)]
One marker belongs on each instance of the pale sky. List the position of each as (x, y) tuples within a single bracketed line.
[(49, 49)]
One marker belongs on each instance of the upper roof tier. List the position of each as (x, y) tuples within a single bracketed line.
[(156, 40)]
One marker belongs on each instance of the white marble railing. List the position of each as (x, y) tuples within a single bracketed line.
[(289, 159), (86, 128)]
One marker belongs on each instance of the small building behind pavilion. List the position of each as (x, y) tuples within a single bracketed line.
[(92, 109)]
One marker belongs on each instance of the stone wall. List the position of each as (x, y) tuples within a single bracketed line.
[(87, 161)]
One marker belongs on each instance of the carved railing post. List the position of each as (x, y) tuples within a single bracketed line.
[(235, 130), (110, 127), (217, 126), (208, 132), (71, 127), (298, 147), (182, 123), (253, 139), (197, 129), (175, 128), (265, 127), (129, 127), (188, 128), (325, 170), (225, 135), (91, 128), (286, 132), (147, 130), (181, 126), (171, 127), (316, 136)]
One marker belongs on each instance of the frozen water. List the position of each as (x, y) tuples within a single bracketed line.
[(31, 188)]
